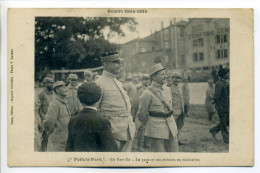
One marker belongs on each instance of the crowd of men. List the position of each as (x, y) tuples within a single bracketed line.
[(104, 115)]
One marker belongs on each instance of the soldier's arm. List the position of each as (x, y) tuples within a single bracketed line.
[(144, 104), (218, 89), (51, 117)]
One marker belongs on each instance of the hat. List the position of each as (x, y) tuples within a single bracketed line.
[(145, 76), (210, 81), (223, 72), (176, 74), (110, 57), (89, 93), (88, 73), (48, 79), (155, 68), (58, 84), (73, 76)]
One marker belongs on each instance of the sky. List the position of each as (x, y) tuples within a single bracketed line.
[(143, 29)]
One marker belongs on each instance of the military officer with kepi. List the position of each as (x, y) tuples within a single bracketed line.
[(72, 98), (155, 110), (115, 104)]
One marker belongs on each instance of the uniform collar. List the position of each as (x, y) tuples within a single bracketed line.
[(90, 107), (60, 99), (156, 86), (108, 74), (47, 91)]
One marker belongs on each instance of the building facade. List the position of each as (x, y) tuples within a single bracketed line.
[(197, 44)]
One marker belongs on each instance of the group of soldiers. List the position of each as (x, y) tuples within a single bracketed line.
[(152, 104)]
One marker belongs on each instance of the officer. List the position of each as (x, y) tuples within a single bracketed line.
[(44, 99), (57, 119), (72, 98), (155, 111), (115, 104)]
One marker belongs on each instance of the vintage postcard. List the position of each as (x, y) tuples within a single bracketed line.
[(130, 87)]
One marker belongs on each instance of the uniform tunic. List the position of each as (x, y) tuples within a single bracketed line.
[(45, 98), (115, 105), (73, 101), (209, 101), (56, 124), (156, 127), (177, 101)]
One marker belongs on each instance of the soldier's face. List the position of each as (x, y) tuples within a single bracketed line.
[(146, 82), (160, 77), (49, 86), (73, 82), (114, 67), (62, 91), (176, 80), (89, 78)]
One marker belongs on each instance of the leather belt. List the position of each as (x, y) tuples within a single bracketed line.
[(160, 114), (115, 114)]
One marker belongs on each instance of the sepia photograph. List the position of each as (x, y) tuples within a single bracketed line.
[(127, 88), (164, 82)]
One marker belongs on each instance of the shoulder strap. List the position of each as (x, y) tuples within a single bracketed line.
[(163, 102)]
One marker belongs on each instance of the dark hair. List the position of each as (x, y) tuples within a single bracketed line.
[(153, 75), (89, 93)]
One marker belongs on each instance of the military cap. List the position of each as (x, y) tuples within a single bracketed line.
[(145, 76), (48, 79), (223, 72), (58, 84), (73, 76), (111, 57), (176, 74), (155, 68), (210, 81)]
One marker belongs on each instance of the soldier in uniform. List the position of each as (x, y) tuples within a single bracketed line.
[(177, 101), (88, 76), (143, 141), (115, 104), (221, 100), (45, 98), (57, 119), (72, 98), (209, 101), (155, 111), (186, 96)]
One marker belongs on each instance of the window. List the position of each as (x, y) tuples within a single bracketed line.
[(200, 42), (201, 56), (195, 43), (195, 57), (198, 56), (221, 38), (181, 32), (222, 53)]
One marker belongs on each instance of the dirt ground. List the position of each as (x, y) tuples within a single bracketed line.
[(195, 134)]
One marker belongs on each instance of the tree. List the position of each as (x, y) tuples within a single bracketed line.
[(74, 42)]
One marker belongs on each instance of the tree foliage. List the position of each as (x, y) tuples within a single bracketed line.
[(74, 42)]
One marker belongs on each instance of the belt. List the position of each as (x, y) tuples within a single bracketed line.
[(160, 114), (115, 114)]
